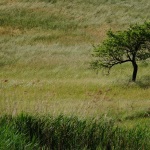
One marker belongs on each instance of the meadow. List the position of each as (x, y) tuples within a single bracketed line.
[(45, 55)]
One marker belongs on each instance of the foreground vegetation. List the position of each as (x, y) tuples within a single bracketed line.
[(45, 50), (30, 132)]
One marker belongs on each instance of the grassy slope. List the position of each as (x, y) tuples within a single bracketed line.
[(45, 53)]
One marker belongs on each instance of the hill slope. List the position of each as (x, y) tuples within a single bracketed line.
[(45, 50)]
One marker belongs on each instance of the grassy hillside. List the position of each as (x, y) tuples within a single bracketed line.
[(45, 50), (45, 55)]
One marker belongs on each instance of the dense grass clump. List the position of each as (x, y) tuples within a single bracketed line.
[(65, 133), (11, 138)]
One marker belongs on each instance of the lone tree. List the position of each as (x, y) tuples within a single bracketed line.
[(131, 45)]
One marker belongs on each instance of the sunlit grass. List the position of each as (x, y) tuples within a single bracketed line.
[(45, 55), (45, 51)]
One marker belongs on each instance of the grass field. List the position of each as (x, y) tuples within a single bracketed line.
[(45, 55)]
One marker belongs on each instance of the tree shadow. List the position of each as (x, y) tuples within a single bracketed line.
[(144, 82)]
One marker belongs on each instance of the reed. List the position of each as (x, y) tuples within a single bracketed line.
[(64, 133)]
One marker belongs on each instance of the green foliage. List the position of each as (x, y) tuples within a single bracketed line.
[(72, 133), (124, 46), (10, 138)]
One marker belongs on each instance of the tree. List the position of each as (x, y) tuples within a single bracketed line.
[(131, 45)]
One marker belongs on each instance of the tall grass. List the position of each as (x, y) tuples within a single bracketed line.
[(45, 50), (10, 138), (26, 19), (64, 133), (80, 14)]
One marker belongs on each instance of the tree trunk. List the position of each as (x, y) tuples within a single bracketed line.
[(135, 69)]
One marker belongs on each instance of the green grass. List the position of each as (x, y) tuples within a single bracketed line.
[(45, 55), (71, 133), (10, 138)]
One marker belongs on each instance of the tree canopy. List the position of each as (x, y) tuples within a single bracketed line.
[(131, 45)]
